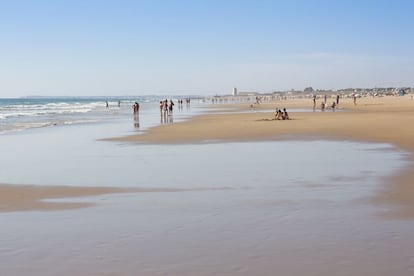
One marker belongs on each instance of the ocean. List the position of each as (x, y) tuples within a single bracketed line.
[(20, 114)]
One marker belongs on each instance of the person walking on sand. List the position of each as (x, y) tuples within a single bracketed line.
[(354, 97)]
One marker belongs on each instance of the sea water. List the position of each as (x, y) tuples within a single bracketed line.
[(20, 114), (295, 207)]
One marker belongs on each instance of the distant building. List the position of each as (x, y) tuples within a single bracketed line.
[(234, 91), (308, 90)]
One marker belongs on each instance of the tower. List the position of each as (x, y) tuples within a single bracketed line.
[(234, 91)]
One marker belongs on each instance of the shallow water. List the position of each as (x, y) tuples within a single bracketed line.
[(259, 208), (73, 155)]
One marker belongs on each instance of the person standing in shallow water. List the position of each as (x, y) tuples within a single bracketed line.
[(135, 107), (161, 107), (170, 107)]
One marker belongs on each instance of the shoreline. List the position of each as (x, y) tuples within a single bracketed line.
[(378, 120), (372, 120)]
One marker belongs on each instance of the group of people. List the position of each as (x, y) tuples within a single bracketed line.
[(325, 106), (324, 103), (281, 114), (181, 103), (107, 104), (166, 107)]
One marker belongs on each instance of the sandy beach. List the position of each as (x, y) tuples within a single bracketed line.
[(27, 198), (381, 119), (385, 119), (207, 196), (35, 198)]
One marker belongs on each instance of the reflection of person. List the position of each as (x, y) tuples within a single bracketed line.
[(136, 120)]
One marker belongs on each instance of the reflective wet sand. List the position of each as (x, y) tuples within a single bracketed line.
[(287, 208)]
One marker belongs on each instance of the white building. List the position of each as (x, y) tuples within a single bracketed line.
[(234, 91)]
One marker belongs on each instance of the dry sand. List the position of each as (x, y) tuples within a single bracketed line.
[(382, 119)]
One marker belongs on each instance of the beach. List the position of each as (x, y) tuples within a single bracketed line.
[(381, 119), (226, 191), (384, 119), (200, 138)]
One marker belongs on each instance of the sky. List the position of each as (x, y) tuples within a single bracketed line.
[(202, 47)]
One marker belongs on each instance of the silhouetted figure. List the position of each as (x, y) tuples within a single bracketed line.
[(135, 108)]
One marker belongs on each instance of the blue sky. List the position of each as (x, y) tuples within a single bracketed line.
[(96, 47)]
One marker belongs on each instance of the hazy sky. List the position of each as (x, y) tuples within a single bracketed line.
[(119, 47)]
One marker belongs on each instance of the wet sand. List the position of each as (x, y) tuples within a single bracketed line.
[(34, 198), (264, 225), (383, 119)]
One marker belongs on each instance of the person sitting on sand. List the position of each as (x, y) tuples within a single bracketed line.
[(278, 114), (285, 115)]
